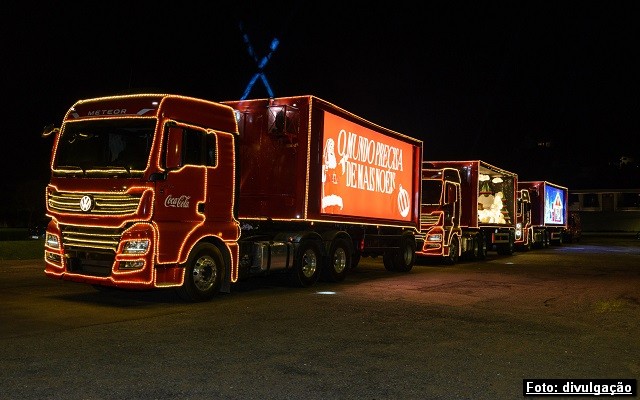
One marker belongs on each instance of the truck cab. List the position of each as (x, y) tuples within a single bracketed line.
[(141, 195), (441, 234)]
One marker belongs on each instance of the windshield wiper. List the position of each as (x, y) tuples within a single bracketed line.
[(119, 168), (72, 168)]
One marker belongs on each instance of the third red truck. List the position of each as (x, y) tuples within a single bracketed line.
[(543, 211)]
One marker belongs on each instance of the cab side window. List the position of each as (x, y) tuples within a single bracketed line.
[(198, 148)]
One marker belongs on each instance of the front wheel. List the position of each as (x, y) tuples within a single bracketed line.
[(406, 256), (453, 256), (203, 273)]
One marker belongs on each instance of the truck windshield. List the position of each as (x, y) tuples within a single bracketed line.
[(114, 145), (431, 191)]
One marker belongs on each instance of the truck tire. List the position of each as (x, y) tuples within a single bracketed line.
[(406, 255), (454, 249), (203, 273), (506, 249), (389, 261), (474, 253), (481, 252), (338, 261), (306, 270)]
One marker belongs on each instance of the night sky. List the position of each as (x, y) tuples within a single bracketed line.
[(473, 80)]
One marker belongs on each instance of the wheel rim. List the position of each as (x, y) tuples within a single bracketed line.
[(339, 260), (310, 263), (205, 274)]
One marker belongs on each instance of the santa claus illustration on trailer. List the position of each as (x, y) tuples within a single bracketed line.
[(330, 179)]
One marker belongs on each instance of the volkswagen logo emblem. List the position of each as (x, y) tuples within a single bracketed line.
[(86, 203)]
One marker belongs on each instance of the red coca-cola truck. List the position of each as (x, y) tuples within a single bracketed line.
[(542, 214), (468, 208), (167, 191)]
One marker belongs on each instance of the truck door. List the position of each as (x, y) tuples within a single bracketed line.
[(180, 197), (451, 205)]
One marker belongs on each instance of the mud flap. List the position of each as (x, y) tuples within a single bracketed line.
[(225, 285)]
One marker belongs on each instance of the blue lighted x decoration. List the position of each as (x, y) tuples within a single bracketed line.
[(260, 63)]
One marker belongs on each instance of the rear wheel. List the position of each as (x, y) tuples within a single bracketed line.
[(482, 246), (545, 239), (307, 264), (475, 250), (338, 261), (203, 273), (388, 259), (508, 248)]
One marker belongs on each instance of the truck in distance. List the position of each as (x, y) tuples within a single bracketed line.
[(467, 209), (542, 214)]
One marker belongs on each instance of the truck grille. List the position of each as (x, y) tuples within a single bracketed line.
[(104, 239), (91, 251), (105, 203), (429, 219)]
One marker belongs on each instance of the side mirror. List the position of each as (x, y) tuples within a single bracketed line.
[(49, 130), (174, 147)]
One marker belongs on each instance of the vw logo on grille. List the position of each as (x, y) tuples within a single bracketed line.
[(86, 203)]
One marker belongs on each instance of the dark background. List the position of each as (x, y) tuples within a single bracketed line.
[(544, 89)]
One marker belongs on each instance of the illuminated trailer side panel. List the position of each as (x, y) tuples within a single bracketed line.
[(304, 158), (548, 203), (488, 193)]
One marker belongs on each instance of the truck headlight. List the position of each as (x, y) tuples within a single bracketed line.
[(53, 241), (135, 246), (435, 238)]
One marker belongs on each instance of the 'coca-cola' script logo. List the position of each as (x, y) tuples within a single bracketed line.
[(181, 202)]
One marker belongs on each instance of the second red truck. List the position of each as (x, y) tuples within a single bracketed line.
[(468, 208)]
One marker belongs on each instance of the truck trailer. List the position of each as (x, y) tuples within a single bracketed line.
[(467, 209), (166, 191), (542, 214)]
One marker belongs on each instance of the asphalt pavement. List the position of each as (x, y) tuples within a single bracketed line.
[(475, 330)]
